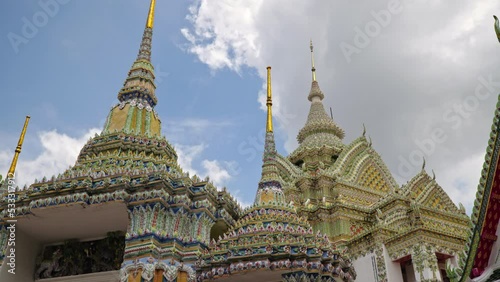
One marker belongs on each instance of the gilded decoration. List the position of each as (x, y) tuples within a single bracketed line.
[(315, 212)]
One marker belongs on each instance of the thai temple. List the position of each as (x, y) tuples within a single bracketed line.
[(329, 211)]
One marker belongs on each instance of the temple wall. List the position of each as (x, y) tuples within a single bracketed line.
[(495, 250), (366, 268), (494, 261), (27, 249), (393, 269), (109, 276)]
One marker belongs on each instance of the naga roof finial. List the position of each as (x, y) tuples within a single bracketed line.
[(312, 61), (364, 130), (497, 27), (433, 175), (423, 163), (269, 103)]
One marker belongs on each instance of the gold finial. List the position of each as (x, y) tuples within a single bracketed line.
[(312, 61), (269, 126), (151, 15), (12, 168)]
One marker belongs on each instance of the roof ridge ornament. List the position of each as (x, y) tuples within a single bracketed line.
[(497, 27)]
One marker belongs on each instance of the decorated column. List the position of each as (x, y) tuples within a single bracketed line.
[(425, 263)]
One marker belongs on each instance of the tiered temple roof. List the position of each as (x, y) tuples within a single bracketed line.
[(131, 169), (315, 211), (320, 133), (271, 236)]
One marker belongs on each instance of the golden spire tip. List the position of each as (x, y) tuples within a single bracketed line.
[(151, 15), (269, 103), (12, 168)]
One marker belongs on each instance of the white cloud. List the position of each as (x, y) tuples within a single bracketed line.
[(59, 151), (427, 59), (186, 154), (5, 160), (190, 157), (220, 172), (216, 40), (244, 202), (461, 180), (217, 173), (451, 40)]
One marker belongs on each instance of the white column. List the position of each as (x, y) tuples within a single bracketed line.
[(366, 268), (393, 268), (425, 263), (27, 248)]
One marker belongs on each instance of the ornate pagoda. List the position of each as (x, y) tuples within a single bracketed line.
[(270, 242), (125, 210), (330, 211), (345, 191)]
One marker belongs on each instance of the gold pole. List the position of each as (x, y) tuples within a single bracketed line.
[(312, 61), (12, 168), (269, 126), (151, 15)]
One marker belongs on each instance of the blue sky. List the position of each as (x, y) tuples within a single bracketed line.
[(210, 59), (68, 75)]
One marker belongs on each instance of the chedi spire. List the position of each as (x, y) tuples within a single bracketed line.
[(269, 146), (318, 120), (140, 81), (315, 91), (135, 114)]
